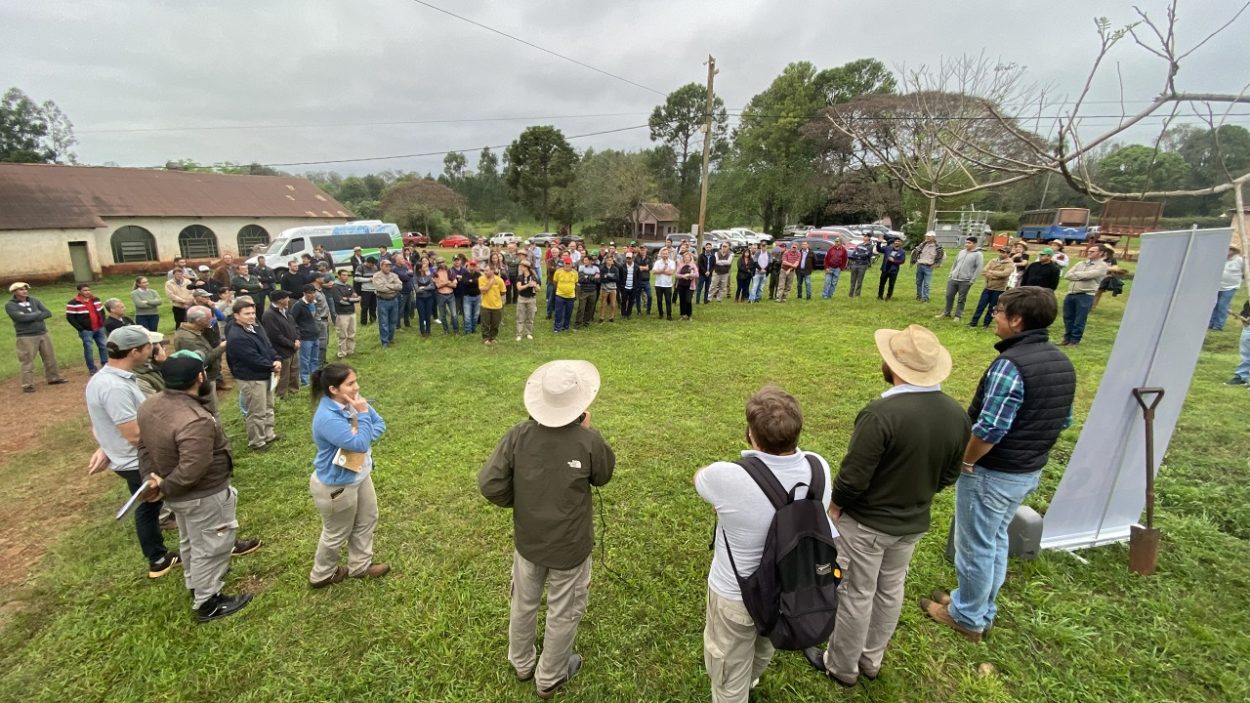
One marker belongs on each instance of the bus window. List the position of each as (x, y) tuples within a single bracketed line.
[(294, 247), (1073, 217)]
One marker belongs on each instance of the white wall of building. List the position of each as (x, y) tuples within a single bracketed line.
[(43, 252), (166, 230)]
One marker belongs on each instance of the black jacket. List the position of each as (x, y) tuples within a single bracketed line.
[(250, 354), (305, 318), (281, 331), (292, 281), (622, 274), (1040, 274), (707, 261)]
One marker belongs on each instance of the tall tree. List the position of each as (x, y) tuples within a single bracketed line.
[(679, 123), (34, 133), (538, 161), (413, 203), (1138, 168), (611, 184), (454, 167), (851, 80)]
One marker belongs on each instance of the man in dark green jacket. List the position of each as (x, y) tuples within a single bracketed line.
[(543, 469), (907, 445)]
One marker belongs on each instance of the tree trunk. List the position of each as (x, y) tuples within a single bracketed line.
[(545, 218), (931, 222)]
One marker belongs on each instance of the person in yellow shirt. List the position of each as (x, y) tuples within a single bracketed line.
[(565, 279), (492, 286)]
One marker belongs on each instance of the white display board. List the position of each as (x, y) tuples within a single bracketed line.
[(1103, 491)]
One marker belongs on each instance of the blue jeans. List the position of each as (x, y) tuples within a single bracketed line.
[(405, 308), (447, 312), (425, 313), (472, 305), (804, 280), (705, 287), (644, 291), (924, 276), (149, 322), (564, 313), (831, 282), (93, 339), (309, 359), (989, 298), (551, 299), (1243, 369), (1076, 309), (757, 286), (1223, 301), (985, 503), (388, 320)]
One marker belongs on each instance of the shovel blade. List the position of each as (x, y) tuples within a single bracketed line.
[(1143, 549)]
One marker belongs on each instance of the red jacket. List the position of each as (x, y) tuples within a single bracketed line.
[(85, 315), (836, 258)]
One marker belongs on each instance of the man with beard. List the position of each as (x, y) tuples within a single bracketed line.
[(191, 336), (185, 456)]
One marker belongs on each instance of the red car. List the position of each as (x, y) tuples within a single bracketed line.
[(416, 239), (454, 241)]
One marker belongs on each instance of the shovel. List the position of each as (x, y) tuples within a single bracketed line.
[(1143, 542)]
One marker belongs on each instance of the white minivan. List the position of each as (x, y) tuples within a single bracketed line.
[(338, 240)]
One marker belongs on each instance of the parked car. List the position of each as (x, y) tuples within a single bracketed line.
[(844, 233), (544, 239), (570, 239), (795, 230), (416, 239), (505, 238), (819, 248), (456, 241), (720, 236)]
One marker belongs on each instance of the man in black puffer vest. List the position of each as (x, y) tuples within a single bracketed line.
[(1021, 406)]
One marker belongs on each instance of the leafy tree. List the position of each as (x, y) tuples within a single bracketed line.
[(454, 167), (611, 184), (422, 204), (34, 133), (679, 123), (1214, 156), (1137, 168), (538, 161), (849, 81)]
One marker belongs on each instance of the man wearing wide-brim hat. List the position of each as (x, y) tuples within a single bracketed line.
[(28, 315), (543, 469), (906, 446)]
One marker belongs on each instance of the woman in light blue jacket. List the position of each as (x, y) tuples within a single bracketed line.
[(344, 428)]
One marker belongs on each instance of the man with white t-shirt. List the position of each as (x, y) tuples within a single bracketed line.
[(733, 652)]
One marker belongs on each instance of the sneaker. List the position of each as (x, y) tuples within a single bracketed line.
[(939, 613), (164, 565), (374, 571), (575, 665), (529, 336), (940, 316), (244, 546), (219, 606), (955, 318), (339, 574), (1235, 381), (518, 338)]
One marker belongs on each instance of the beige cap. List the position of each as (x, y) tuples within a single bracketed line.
[(14, 286)]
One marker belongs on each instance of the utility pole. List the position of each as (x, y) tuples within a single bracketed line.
[(707, 150)]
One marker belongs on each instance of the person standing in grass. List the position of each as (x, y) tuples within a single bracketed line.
[(1023, 403), (304, 315), (493, 288), (926, 257), (964, 271), (445, 290), (610, 276), (115, 315), (1044, 272), (283, 337), (722, 262), (836, 262), (344, 428), (587, 292), (147, 304), (745, 274), (113, 400), (343, 297), (996, 273), (28, 315), (387, 287), (543, 469), (423, 288), (185, 456), (470, 292), (860, 257), (565, 279), (1241, 375), (883, 493), (687, 285), (1084, 279), (527, 299), (734, 653), (1230, 283), (892, 257), (253, 362), (85, 313)]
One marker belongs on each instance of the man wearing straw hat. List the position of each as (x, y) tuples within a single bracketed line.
[(1021, 406), (543, 469), (907, 445)]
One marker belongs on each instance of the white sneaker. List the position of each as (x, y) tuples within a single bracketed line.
[(956, 318), (529, 336), (438, 321), (518, 338)]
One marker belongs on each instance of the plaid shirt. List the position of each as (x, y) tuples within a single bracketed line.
[(1004, 394)]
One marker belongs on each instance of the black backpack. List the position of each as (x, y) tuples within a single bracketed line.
[(792, 596)]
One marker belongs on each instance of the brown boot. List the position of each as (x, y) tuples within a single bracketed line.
[(938, 613), (943, 598), (339, 574), (374, 571)]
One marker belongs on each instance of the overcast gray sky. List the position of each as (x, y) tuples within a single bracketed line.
[(159, 64)]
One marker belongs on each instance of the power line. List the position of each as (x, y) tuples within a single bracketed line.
[(532, 45), (442, 151), (198, 128)]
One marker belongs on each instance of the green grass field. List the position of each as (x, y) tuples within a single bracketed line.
[(89, 625)]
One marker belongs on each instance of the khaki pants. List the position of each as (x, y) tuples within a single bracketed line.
[(608, 305), (288, 378), (786, 283), (259, 401), (27, 347), (720, 286), (567, 592), (526, 308), (345, 330), (206, 529), (733, 653), (348, 514), (869, 597)]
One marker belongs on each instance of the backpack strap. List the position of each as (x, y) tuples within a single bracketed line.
[(816, 488), (764, 478)]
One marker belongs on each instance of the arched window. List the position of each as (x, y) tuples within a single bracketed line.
[(250, 236), (197, 242), (133, 243)]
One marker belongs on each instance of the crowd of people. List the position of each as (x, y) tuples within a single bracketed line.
[(153, 407)]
